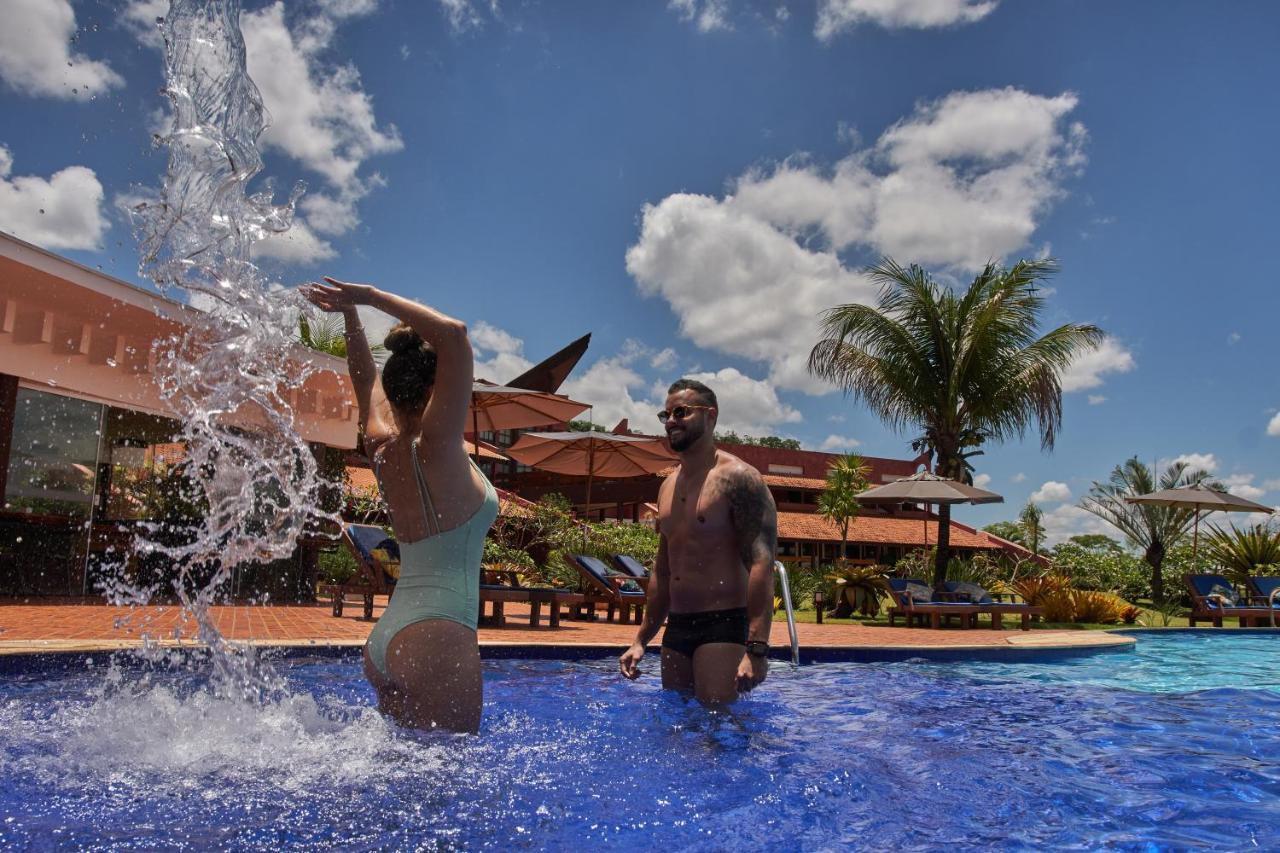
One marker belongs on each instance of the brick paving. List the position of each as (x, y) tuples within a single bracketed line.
[(35, 625)]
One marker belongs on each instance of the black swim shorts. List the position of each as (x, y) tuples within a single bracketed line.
[(686, 631)]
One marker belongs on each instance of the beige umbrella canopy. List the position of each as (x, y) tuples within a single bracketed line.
[(1199, 497), (495, 407), (593, 454), (927, 488)]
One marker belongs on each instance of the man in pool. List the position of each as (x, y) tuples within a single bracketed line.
[(712, 581)]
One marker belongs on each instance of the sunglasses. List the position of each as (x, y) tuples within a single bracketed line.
[(679, 412)]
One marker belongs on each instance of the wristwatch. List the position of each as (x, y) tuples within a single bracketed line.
[(758, 649)]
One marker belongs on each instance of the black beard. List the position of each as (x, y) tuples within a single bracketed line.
[(684, 442)]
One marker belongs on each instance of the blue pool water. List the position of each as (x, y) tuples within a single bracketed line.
[(1174, 745)]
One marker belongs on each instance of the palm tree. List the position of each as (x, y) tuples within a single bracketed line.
[(964, 368), (325, 333), (1030, 520), (1153, 529), (838, 503)]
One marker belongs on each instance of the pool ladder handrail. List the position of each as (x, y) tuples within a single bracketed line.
[(791, 615)]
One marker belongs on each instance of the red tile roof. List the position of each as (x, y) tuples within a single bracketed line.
[(883, 530)]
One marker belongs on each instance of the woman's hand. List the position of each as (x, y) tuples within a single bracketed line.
[(336, 295)]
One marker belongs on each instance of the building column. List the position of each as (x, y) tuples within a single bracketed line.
[(8, 413)]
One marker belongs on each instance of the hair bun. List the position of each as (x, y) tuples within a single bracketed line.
[(402, 338)]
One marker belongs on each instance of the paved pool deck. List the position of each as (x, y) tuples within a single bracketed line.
[(43, 626)]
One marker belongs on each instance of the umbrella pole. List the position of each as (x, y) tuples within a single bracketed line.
[(591, 464), (475, 433), (1195, 544)]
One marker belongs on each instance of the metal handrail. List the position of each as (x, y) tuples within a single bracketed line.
[(791, 615)]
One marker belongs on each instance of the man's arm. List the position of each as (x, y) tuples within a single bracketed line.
[(755, 523), (657, 604)]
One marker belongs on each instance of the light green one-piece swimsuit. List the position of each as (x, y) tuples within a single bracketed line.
[(440, 574)]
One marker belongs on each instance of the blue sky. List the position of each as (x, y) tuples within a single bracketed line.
[(692, 181)]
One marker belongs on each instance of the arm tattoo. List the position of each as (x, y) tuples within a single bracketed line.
[(754, 518)]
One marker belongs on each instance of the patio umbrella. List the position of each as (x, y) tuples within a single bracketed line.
[(927, 488), (1199, 498), (592, 454), (495, 407)]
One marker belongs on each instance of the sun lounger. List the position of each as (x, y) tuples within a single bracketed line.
[(377, 554), (995, 604), (1262, 586), (1213, 597), (629, 565), (916, 601), (621, 593)]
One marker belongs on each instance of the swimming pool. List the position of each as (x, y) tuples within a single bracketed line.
[(1125, 749)]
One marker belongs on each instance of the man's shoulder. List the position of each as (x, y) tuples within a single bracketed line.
[(734, 470)]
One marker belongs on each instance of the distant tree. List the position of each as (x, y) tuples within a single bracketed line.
[(838, 503), (732, 437), (586, 426), (1096, 542), (1152, 529), (1009, 530), (1031, 521), (963, 367)]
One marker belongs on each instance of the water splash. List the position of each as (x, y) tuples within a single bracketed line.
[(228, 377)]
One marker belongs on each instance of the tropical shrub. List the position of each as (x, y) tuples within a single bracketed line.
[(1243, 552), (856, 588), (1099, 607), (1107, 570), (1036, 590)]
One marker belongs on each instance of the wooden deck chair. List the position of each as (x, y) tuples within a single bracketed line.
[(916, 601), (1213, 597), (377, 554), (995, 604), (621, 593)]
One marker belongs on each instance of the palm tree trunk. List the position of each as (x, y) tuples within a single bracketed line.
[(1155, 558), (944, 543)]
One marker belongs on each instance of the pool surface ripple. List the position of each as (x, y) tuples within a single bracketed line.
[(1169, 746)]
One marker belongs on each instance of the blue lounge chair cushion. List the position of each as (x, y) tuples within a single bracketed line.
[(630, 565), (602, 574), (1266, 585)]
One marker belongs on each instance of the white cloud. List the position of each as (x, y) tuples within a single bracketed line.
[(839, 443), (962, 180), (464, 15), (1067, 520), (1272, 485), (837, 16), (706, 15), (1196, 461), (739, 285), (63, 211), (615, 391), (499, 354), (1233, 339), (1051, 492), (1087, 370), (141, 17), (1242, 484), (1018, 478), (298, 245), (1273, 428), (748, 406), (36, 56), (982, 480), (664, 359), (1097, 399)]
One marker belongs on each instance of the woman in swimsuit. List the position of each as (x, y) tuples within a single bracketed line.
[(422, 657)]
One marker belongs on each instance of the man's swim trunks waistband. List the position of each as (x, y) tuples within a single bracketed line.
[(687, 631)]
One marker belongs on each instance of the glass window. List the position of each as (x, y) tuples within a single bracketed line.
[(54, 455), (142, 463)]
